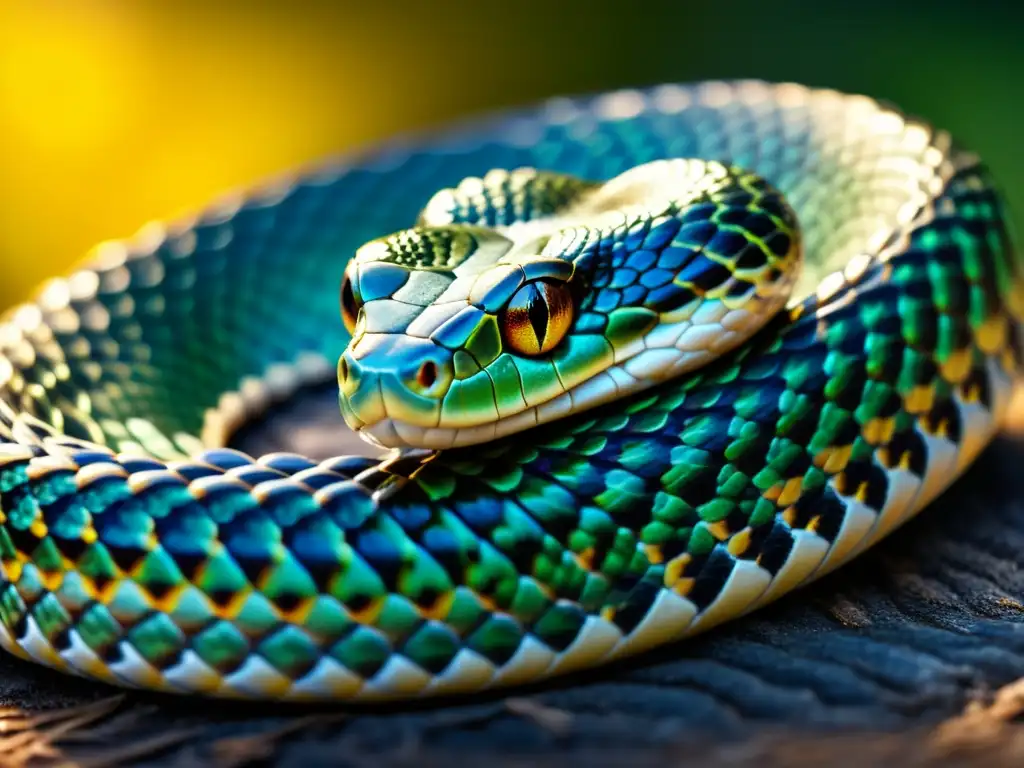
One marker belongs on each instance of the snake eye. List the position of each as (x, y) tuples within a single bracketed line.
[(537, 317), (350, 304)]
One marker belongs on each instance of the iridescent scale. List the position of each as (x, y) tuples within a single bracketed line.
[(135, 549)]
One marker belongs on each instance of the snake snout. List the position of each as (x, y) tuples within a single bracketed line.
[(396, 377)]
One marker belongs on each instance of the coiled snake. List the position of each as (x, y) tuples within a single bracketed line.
[(692, 348)]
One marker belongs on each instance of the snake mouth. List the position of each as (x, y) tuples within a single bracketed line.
[(607, 385)]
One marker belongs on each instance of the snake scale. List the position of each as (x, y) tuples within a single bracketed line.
[(651, 359)]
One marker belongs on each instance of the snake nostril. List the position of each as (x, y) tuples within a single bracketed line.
[(343, 369), (427, 375)]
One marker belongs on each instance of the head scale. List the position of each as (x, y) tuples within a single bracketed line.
[(574, 294)]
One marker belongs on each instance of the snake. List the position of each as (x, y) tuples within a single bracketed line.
[(626, 366)]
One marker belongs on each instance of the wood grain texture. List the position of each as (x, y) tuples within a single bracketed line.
[(913, 655)]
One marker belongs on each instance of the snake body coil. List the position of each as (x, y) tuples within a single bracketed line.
[(683, 491)]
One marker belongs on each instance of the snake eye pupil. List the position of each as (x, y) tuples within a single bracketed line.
[(349, 305), (537, 317)]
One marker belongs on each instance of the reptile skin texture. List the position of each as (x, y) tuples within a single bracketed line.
[(137, 551)]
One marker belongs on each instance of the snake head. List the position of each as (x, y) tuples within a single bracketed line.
[(499, 312)]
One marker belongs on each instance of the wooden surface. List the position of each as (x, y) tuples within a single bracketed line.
[(913, 655)]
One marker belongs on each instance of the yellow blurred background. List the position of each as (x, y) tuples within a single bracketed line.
[(114, 113)]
